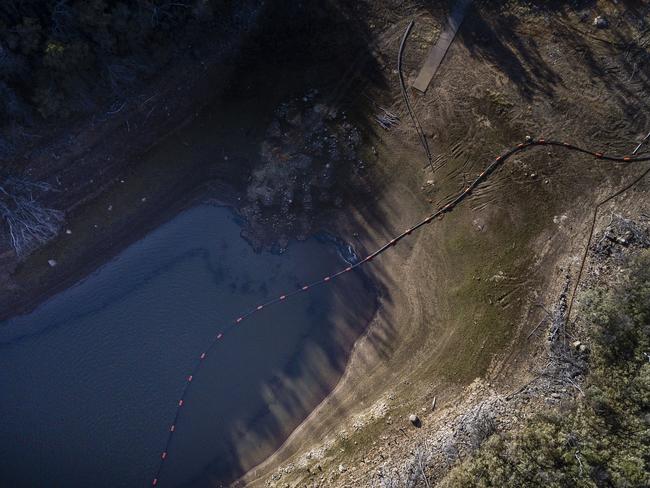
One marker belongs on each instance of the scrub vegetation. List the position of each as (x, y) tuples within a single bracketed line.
[(602, 438), (116, 115)]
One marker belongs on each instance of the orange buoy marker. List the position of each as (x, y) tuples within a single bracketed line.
[(439, 213)]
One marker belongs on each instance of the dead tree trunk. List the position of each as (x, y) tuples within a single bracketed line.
[(28, 223)]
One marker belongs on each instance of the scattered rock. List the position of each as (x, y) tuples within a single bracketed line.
[(342, 469), (529, 139), (621, 232), (68, 231), (601, 22), (498, 278), (52, 263), (307, 148), (576, 345), (415, 420), (559, 219), (433, 403)]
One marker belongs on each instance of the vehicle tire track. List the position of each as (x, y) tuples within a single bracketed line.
[(446, 208)]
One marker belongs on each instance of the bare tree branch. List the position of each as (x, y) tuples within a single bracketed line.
[(29, 224)]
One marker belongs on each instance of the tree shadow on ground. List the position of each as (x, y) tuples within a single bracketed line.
[(301, 47)]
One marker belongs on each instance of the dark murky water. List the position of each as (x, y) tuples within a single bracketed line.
[(90, 379)]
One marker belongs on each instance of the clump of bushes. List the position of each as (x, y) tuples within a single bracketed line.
[(603, 438)]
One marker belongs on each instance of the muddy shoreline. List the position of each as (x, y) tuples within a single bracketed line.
[(22, 298), (89, 159), (95, 166), (145, 223), (315, 359), (458, 299)]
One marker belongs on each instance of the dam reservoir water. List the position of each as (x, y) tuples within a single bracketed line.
[(90, 379)]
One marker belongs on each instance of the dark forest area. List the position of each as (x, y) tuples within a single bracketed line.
[(63, 58)]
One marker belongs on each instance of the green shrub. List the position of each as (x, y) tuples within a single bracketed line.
[(601, 440)]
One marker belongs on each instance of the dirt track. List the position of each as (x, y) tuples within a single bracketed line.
[(459, 298), (447, 208), (464, 293)]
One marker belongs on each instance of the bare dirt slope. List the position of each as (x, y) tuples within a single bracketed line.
[(461, 297)]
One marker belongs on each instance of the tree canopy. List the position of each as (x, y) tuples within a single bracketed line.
[(62, 57)]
